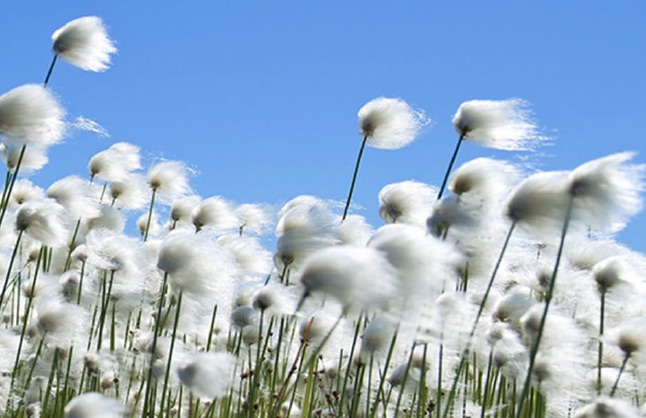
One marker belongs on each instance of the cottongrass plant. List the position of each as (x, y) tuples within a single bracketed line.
[(437, 313)]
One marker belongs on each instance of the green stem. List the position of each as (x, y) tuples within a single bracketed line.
[(150, 214), (11, 261), (172, 347), (448, 170), (5, 202), (49, 72), (621, 371), (600, 347), (354, 177)]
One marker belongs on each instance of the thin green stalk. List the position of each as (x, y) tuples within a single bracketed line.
[(403, 384), (68, 260), (548, 300), (485, 393), (172, 347), (354, 177), (621, 371), (82, 275), (391, 349), (448, 170), (210, 336), (600, 346), (49, 71), (11, 261), (150, 214)]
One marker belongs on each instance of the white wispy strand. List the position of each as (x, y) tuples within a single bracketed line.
[(408, 202), (44, 221), (502, 124), (607, 191), (115, 163), (357, 277), (84, 43), (169, 179), (208, 375), (390, 123), (75, 195), (30, 114), (85, 124), (95, 405)]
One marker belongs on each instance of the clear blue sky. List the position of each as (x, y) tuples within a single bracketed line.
[(261, 97)]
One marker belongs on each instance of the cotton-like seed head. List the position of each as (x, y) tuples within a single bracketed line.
[(605, 407), (115, 163), (34, 158), (406, 202), (75, 195), (243, 316), (609, 273), (214, 212), (449, 213), (24, 191), (30, 114), (390, 123), (182, 208), (539, 202), (501, 124), (109, 218), (208, 375), (606, 191), (483, 177), (355, 276), (354, 230), (131, 193), (84, 43), (253, 217), (630, 337), (43, 221), (169, 179), (377, 336), (95, 405)]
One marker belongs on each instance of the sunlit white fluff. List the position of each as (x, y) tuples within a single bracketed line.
[(252, 259), (390, 123), (208, 375), (357, 277), (95, 405), (216, 213), (254, 218), (44, 221), (24, 191), (182, 209), (115, 163), (60, 322), (75, 195), (130, 193), (169, 179), (377, 337), (30, 114), (483, 179), (109, 218), (34, 158), (607, 191), (354, 230), (605, 407), (501, 124), (539, 202), (449, 213), (406, 202), (84, 42)]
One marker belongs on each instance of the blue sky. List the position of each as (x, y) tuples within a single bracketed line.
[(261, 97)]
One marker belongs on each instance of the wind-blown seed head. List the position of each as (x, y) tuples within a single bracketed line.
[(59, 321), (253, 217), (485, 178), (448, 213), (214, 212), (390, 123), (539, 202), (131, 193), (406, 202), (501, 124), (24, 191), (84, 43), (606, 191), (44, 221), (355, 276), (75, 195), (169, 179), (30, 114), (115, 163), (182, 208), (609, 273), (34, 158), (208, 375), (377, 336), (95, 405)]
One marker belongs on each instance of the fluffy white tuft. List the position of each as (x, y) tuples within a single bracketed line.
[(390, 123), (84, 42), (95, 405), (208, 375), (501, 124)]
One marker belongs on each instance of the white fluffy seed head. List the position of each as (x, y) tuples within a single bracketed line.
[(131, 193), (24, 191), (356, 276), (95, 405), (607, 190), (115, 163), (214, 212), (254, 218), (75, 195), (169, 179), (501, 124), (208, 375), (44, 221), (408, 202), (84, 43), (390, 123), (605, 407), (30, 114), (485, 178)]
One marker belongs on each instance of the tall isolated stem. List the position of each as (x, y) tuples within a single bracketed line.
[(354, 177), (548, 300), (150, 214), (450, 167), (621, 371), (49, 72)]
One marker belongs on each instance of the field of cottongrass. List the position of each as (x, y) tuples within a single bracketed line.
[(499, 294)]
